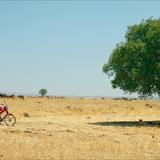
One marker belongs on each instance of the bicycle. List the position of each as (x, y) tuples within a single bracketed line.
[(8, 118)]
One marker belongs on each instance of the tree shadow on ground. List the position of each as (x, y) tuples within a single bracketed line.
[(129, 123)]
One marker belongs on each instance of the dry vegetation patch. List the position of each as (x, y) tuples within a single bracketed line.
[(68, 128)]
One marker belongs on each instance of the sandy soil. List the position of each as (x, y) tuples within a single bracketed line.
[(75, 128)]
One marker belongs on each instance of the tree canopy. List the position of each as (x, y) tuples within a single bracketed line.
[(134, 64), (43, 92)]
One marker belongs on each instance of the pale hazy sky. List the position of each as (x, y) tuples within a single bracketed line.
[(62, 46)]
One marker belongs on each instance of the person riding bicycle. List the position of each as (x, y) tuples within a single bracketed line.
[(2, 107), (8, 118)]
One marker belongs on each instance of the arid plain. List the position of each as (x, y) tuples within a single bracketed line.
[(81, 128)]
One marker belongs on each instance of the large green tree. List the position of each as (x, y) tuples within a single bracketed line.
[(134, 65)]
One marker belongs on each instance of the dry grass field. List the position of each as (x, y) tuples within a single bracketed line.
[(77, 128)]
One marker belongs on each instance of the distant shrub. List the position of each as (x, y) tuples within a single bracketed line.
[(21, 96), (26, 114), (3, 95)]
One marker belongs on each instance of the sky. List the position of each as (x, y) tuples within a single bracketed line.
[(63, 45)]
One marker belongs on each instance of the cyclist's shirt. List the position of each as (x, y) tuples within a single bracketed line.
[(2, 109)]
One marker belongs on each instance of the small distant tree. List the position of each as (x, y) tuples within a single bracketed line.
[(43, 92)]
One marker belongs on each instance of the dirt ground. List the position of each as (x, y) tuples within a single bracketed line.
[(81, 128)]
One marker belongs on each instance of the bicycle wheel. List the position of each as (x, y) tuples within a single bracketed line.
[(9, 119)]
